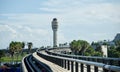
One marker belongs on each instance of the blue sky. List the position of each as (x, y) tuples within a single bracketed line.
[(30, 20)]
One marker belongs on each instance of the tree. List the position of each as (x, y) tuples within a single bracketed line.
[(117, 43), (98, 48), (23, 46), (97, 53), (15, 48), (114, 51), (84, 46), (93, 43), (29, 46), (89, 52), (118, 49), (75, 47), (2, 53), (79, 46), (12, 48)]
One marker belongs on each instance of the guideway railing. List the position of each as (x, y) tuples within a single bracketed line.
[(105, 60), (76, 65)]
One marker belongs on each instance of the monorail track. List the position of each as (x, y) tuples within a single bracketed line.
[(33, 65)]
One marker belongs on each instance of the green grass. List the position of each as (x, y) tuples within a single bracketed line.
[(9, 59)]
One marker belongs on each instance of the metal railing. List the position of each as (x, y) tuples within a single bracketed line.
[(73, 64), (70, 62), (105, 60)]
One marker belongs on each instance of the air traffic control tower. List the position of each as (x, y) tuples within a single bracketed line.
[(54, 28)]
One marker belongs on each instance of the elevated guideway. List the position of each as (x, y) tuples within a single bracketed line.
[(54, 67), (28, 64), (54, 61), (105, 60)]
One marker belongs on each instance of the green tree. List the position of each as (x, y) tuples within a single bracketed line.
[(12, 48), (23, 46), (114, 51), (118, 49), (89, 52), (29, 46), (97, 53), (79, 46), (93, 43), (15, 48), (84, 46), (117, 43), (98, 48), (2, 53)]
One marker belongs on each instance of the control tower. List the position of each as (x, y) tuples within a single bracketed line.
[(54, 28)]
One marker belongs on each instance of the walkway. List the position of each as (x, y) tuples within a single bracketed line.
[(53, 66)]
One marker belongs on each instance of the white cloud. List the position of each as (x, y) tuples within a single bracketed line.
[(71, 14), (85, 11), (103, 36), (89, 14), (7, 28), (27, 29), (24, 33), (61, 38), (52, 3), (95, 13), (51, 10)]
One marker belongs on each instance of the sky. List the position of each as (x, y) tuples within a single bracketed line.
[(30, 20)]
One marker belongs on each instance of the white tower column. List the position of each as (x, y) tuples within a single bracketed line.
[(54, 38)]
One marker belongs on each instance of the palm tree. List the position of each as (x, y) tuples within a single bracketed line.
[(18, 48), (15, 48), (29, 46), (12, 49), (23, 46)]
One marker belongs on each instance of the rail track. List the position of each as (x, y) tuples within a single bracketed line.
[(34, 65)]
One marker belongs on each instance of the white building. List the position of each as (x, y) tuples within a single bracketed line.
[(104, 50)]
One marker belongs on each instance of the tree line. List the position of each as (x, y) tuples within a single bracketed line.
[(82, 47), (114, 51), (16, 48)]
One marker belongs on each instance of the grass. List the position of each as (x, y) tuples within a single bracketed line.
[(17, 58), (9, 59)]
